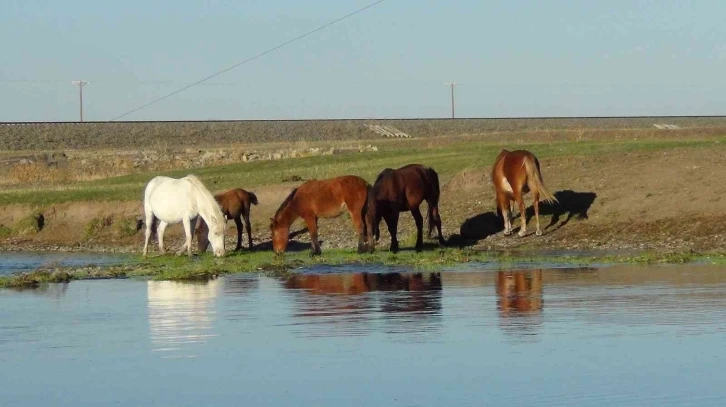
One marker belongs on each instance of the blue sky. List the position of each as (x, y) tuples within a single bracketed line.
[(513, 58)]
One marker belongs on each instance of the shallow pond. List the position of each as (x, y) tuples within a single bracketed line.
[(622, 335), (14, 262)]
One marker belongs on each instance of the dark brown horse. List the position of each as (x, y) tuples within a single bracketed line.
[(514, 174), (235, 204), (404, 190), (322, 199)]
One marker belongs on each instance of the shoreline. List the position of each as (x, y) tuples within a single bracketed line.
[(206, 267)]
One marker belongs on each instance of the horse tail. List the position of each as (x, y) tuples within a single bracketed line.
[(435, 195), (146, 204), (369, 215), (534, 180), (253, 198)]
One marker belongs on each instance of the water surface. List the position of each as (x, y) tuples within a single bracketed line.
[(16, 262), (584, 337)]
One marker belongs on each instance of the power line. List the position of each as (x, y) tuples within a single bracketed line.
[(322, 27)]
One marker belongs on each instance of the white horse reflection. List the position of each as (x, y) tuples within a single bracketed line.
[(181, 315)]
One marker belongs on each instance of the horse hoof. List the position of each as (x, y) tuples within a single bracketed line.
[(522, 234), (507, 233), (538, 233)]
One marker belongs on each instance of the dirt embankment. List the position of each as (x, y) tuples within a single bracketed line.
[(163, 135), (665, 200)]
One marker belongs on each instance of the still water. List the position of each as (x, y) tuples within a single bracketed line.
[(17, 262), (635, 336)]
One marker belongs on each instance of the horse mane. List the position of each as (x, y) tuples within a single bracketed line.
[(383, 174), (286, 202), (208, 201)]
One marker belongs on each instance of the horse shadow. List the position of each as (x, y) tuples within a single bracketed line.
[(477, 228), (570, 205), (292, 245)]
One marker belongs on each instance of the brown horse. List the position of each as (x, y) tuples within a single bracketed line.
[(514, 174), (322, 199), (235, 204), (404, 190)]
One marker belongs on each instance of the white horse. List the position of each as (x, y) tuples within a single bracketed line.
[(182, 200)]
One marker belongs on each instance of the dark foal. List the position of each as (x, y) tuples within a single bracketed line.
[(235, 204)]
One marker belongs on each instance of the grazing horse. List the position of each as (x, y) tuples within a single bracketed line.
[(173, 200), (514, 174), (404, 190), (235, 204), (322, 199)]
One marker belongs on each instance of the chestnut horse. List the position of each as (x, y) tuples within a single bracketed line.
[(404, 190), (322, 199), (514, 174), (235, 204)]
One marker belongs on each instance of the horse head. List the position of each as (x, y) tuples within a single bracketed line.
[(280, 234), (216, 238)]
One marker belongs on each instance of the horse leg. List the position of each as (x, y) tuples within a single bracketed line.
[(358, 220), (149, 221), (392, 223), (418, 218), (504, 207), (190, 229), (377, 228), (312, 223), (160, 235), (522, 214), (436, 217), (249, 230), (188, 233), (536, 212), (238, 223)]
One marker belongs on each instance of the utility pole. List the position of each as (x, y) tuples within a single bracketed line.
[(80, 84), (452, 84)]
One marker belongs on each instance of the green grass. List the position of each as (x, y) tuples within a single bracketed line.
[(447, 159), (29, 225), (205, 267)]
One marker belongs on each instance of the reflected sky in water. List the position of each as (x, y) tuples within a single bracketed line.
[(584, 337)]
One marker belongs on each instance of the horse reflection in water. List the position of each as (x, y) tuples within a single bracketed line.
[(347, 304), (519, 300), (181, 315)]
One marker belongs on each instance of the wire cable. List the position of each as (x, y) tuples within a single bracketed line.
[(261, 54)]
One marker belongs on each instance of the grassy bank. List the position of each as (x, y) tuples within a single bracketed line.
[(447, 156), (205, 267)]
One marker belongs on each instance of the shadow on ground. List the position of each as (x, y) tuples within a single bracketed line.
[(570, 205)]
